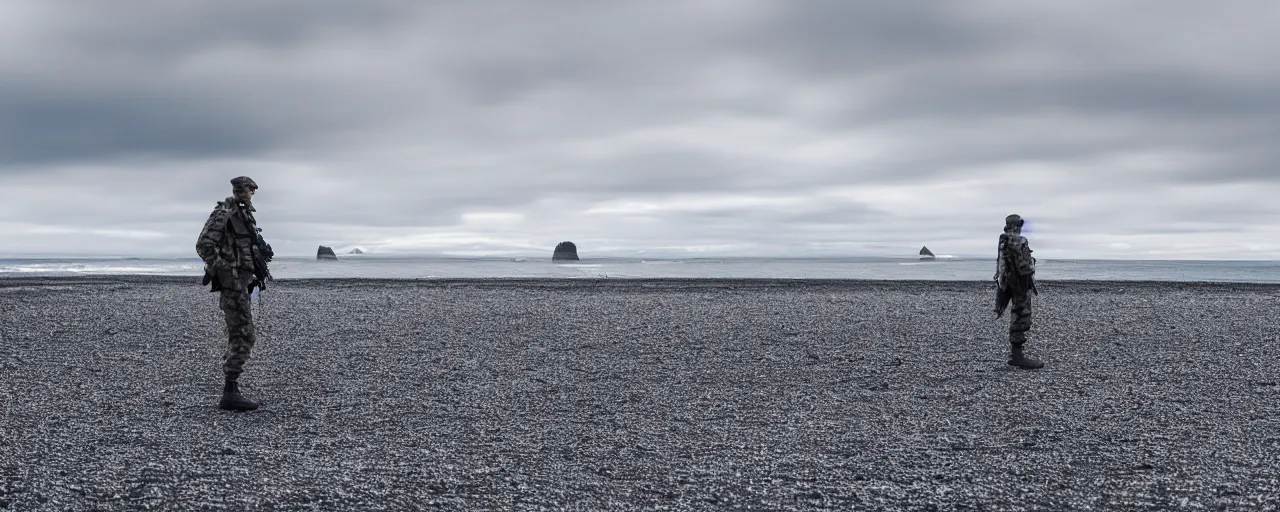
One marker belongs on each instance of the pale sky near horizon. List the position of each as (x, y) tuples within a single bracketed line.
[(1119, 129)]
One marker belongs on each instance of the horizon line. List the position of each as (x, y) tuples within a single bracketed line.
[(375, 255)]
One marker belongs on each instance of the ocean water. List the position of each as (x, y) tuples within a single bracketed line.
[(418, 267)]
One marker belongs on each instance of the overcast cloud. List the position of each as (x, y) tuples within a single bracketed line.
[(1127, 129)]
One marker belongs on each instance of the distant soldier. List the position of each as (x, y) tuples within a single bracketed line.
[(235, 258), (1015, 281)]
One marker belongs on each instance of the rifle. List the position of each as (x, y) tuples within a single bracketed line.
[(262, 254)]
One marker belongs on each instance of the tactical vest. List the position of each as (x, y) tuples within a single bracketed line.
[(1023, 262), (242, 237)]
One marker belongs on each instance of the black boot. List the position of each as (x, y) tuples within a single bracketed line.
[(232, 400), (1017, 358)]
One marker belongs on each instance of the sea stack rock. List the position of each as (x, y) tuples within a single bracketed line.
[(356, 251), (325, 253), (565, 251), (926, 254)]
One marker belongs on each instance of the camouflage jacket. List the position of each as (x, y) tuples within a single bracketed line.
[(1015, 263), (226, 242)]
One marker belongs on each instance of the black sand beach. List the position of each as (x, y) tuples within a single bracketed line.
[(662, 395)]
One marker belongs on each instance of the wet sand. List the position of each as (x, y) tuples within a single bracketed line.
[(647, 394)]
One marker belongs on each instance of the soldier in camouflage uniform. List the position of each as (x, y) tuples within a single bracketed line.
[(1015, 282), (226, 245)]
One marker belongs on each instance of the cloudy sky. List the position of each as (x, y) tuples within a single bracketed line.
[(1119, 128)]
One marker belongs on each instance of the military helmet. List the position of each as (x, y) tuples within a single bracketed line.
[(1012, 221), (243, 182)]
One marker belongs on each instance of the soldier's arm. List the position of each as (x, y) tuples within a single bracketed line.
[(211, 237)]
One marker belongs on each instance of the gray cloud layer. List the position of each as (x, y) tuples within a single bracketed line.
[(1123, 129)]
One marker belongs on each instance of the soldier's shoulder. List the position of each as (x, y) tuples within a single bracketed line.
[(220, 208)]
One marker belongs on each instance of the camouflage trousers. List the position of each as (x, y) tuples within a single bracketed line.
[(236, 305), (1020, 321)]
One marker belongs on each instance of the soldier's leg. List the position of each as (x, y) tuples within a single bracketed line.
[(1019, 325), (240, 339), (1020, 319), (240, 336)]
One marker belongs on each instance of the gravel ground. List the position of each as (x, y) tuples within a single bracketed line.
[(655, 394)]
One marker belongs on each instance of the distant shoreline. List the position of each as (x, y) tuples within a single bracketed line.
[(631, 282), (547, 258)]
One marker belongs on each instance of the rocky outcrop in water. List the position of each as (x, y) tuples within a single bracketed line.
[(356, 251), (926, 254), (565, 251), (325, 253)]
